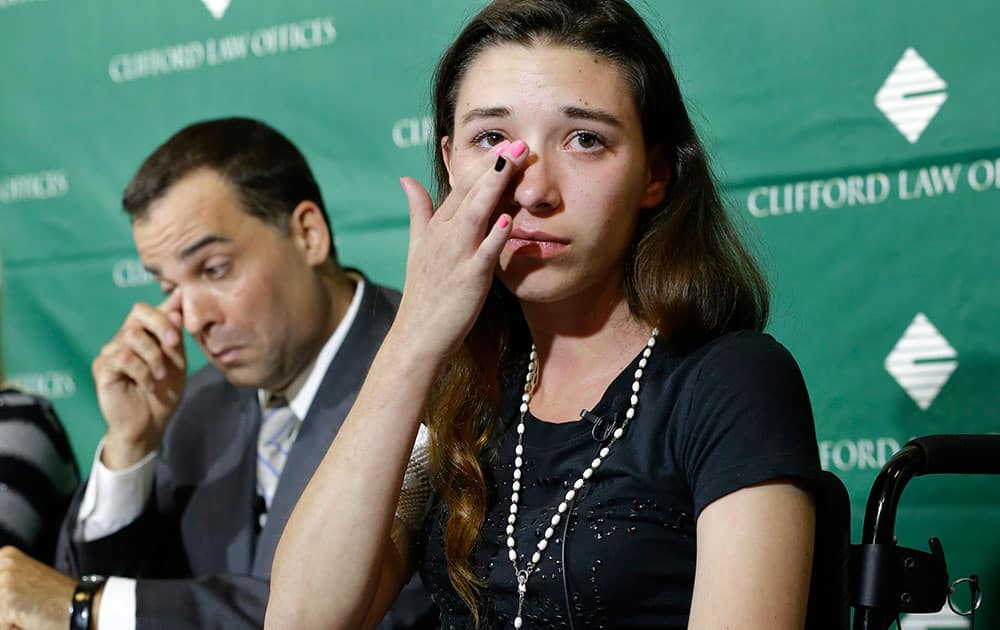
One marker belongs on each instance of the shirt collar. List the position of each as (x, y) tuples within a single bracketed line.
[(302, 390)]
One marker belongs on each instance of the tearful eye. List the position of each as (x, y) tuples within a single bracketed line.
[(587, 141), (215, 272), (488, 139)]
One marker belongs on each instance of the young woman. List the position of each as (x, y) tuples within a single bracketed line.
[(580, 258)]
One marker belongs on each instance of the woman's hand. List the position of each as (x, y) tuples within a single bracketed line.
[(453, 253)]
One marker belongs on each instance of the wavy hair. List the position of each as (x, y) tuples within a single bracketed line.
[(687, 270)]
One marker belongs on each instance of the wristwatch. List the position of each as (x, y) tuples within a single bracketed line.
[(80, 609)]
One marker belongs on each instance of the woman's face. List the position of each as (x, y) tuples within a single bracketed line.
[(576, 204)]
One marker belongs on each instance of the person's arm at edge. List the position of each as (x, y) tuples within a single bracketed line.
[(754, 558)]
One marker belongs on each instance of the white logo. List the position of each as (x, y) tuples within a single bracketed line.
[(52, 384), (130, 273), (33, 186), (940, 620), (917, 361), (235, 47), (862, 454), (11, 3), (412, 132), (911, 95), (216, 7)]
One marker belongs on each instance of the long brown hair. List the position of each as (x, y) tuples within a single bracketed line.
[(687, 270)]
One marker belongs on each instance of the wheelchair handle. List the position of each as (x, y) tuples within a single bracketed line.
[(928, 455), (959, 454)]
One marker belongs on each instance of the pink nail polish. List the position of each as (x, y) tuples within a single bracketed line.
[(517, 149), (504, 222), (500, 147), (402, 182)]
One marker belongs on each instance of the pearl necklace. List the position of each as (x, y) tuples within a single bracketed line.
[(522, 575)]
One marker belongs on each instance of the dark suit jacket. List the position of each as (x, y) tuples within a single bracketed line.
[(200, 561)]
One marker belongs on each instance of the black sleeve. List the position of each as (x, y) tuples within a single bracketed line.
[(126, 552), (749, 419)]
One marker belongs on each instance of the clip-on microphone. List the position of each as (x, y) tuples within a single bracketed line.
[(603, 426)]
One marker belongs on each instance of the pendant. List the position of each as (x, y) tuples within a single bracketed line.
[(522, 588)]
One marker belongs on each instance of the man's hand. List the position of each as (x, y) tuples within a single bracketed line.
[(140, 377), (33, 596)]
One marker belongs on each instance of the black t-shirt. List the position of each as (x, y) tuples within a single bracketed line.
[(730, 414)]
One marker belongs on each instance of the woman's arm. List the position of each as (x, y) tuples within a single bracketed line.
[(754, 559), (342, 557), (338, 564)]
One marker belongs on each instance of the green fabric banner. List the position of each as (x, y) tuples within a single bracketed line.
[(857, 143)]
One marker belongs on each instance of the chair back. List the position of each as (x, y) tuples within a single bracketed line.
[(829, 607)]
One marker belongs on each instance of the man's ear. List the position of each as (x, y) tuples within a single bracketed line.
[(658, 178), (310, 233), (446, 156)]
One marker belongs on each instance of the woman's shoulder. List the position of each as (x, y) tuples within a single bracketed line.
[(741, 351), (742, 371)]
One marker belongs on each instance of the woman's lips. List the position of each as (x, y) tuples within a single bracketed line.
[(535, 244)]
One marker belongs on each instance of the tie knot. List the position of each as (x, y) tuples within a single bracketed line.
[(275, 401), (278, 429)]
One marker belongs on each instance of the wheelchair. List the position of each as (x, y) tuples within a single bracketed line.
[(878, 578)]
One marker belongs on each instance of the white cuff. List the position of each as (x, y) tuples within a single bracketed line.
[(118, 604), (113, 498), (416, 489)]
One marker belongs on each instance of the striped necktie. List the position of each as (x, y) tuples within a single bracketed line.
[(278, 429)]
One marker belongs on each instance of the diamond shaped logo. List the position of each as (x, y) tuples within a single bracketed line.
[(912, 95), (922, 361), (216, 7)]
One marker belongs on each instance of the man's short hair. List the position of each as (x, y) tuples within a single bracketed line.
[(268, 172)]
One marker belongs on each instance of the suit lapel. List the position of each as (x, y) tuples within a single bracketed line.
[(224, 497), (333, 401)]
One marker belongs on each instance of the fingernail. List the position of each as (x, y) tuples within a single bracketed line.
[(517, 149), (500, 147), (504, 222), (170, 337), (402, 182), (500, 164)]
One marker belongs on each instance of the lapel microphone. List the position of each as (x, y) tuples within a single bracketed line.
[(603, 425)]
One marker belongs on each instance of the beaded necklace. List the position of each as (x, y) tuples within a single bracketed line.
[(524, 574)]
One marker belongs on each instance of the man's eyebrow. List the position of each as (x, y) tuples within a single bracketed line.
[(191, 250), (201, 243), (485, 112), (598, 115)]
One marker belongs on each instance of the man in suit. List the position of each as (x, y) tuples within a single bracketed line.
[(195, 477)]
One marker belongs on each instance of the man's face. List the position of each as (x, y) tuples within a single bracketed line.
[(246, 292)]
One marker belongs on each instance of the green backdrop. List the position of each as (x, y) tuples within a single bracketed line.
[(858, 142)]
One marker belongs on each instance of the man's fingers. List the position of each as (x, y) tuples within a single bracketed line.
[(164, 323), (421, 206), (128, 364), (156, 322), (146, 347)]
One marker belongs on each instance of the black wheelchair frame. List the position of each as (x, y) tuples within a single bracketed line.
[(879, 578)]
